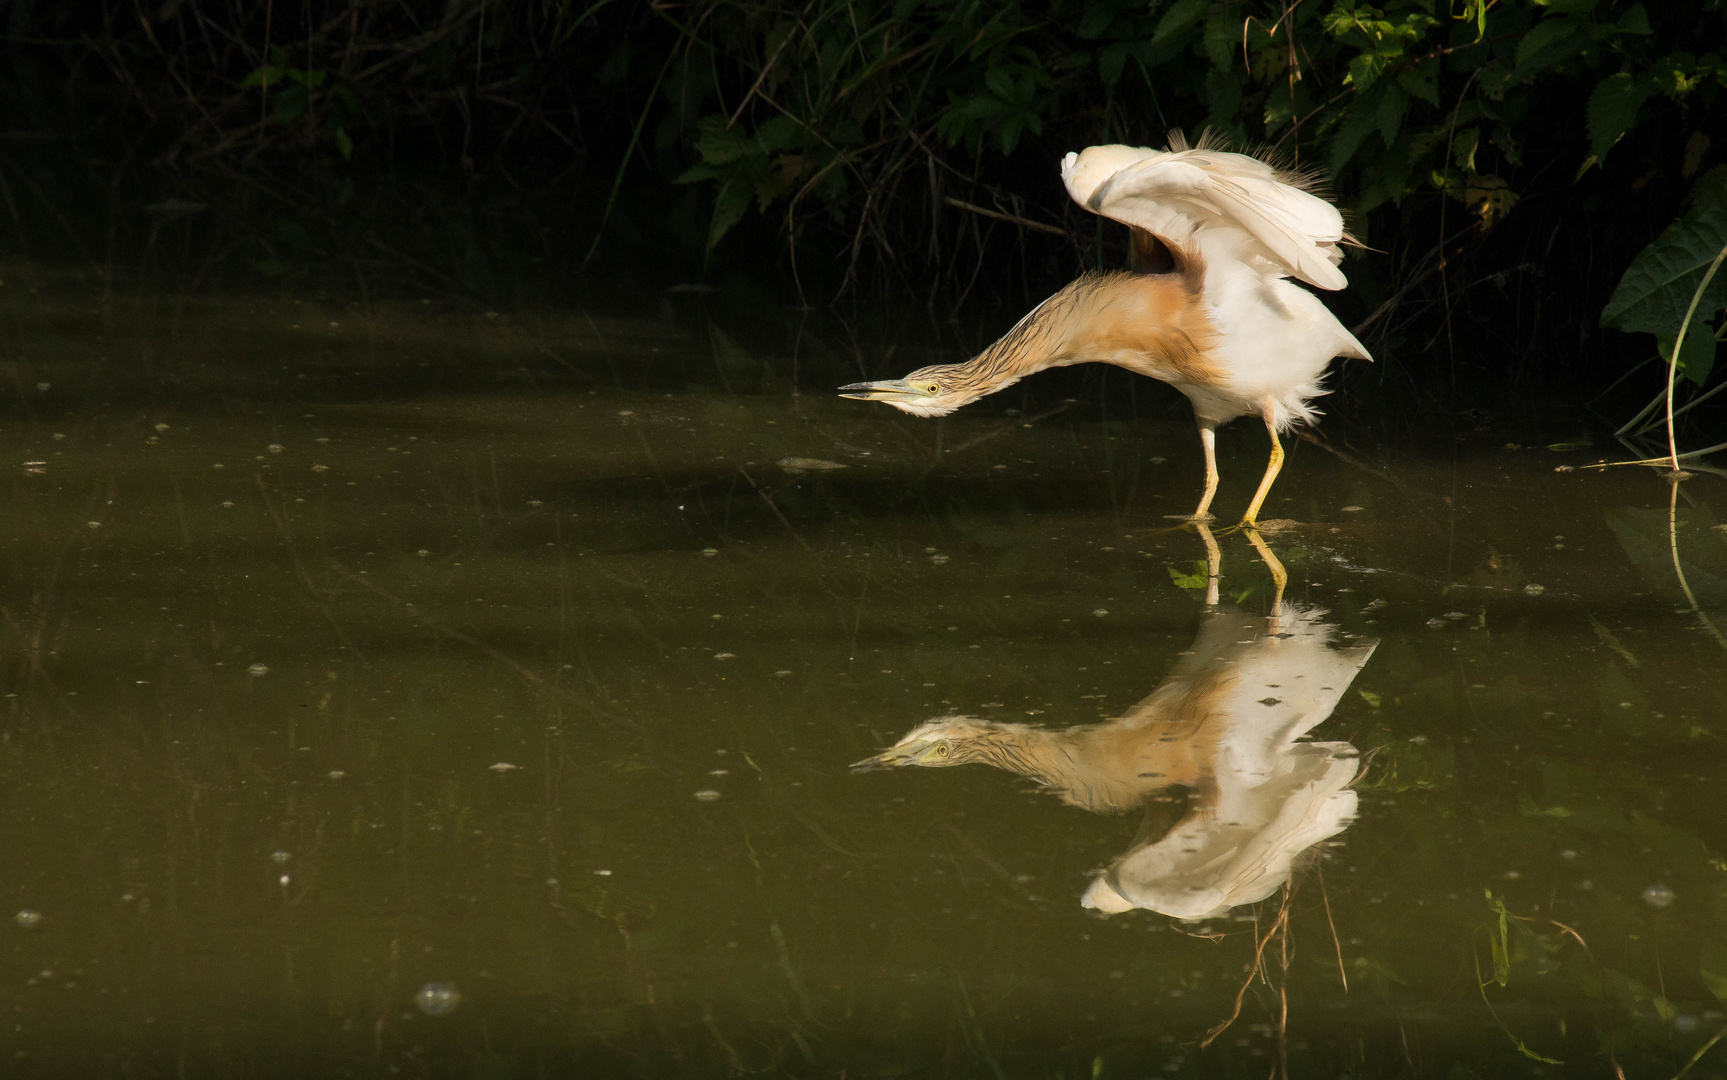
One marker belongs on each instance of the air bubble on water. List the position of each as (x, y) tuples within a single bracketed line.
[(783, 672), (59, 436), (258, 670), (283, 881), (27, 919), (275, 448), (710, 552), (92, 524), (227, 504), (929, 551), (1100, 612), (1568, 855), (602, 873), (535, 502), (1534, 590), (438, 999), (1436, 622), (503, 767), (44, 387), (1658, 896), (707, 796), (938, 559), (725, 656), (422, 553), (280, 856), (337, 774), (161, 427)]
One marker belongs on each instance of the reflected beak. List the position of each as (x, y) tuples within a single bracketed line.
[(885, 390), (892, 757)]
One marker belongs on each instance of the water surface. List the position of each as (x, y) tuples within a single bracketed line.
[(412, 690)]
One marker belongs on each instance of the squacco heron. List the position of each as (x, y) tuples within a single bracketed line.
[(1206, 306), (1230, 724)]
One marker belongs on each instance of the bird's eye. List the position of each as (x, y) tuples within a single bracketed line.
[(931, 388), (941, 750)]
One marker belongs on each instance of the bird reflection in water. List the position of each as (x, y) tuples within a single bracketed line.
[(1229, 725)]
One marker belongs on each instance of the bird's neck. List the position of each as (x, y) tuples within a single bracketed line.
[(1080, 764)]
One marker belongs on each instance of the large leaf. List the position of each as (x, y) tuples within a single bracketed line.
[(1612, 111), (1657, 287), (1553, 40), (729, 207), (1697, 358)]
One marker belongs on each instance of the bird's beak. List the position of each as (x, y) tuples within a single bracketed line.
[(885, 390), (893, 757)]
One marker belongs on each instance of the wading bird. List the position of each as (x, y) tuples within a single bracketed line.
[(1206, 305), (1228, 724)]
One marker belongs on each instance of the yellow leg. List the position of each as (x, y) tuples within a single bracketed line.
[(1251, 518), (1208, 440), (1213, 563), (1279, 576)]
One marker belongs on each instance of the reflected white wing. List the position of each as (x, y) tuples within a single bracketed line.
[(1226, 204)]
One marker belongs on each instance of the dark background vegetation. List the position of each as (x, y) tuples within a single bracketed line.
[(1502, 161)]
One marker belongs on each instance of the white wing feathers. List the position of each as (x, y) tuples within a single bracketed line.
[(1221, 202)]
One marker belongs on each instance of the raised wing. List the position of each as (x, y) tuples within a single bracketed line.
[(1222, 202)]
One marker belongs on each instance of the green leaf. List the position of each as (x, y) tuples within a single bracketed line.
[(1552, 41), (1110, 62), (1421, 81), (1180, 18), (344, 144), (1697, 358), (729, 207), (1634, 21), (1393, 104), (715, 144), (1199, 579), (1222, 37), (1612, 111), (1657, 287), (1463, 148), (1714, 963), (1359, 120)]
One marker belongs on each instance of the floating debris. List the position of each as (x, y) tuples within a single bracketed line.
[(725, 656), (27, 918), (708, 795), (336, 774), (938, 560), (1658, 896), (280, 857), (710, 552), (1436, 622), (808, 464), (1100, 612), (275, 448), (783, 672), (503, 767), (1534, 590), (437, 998), (258, 670), (1353, 509)]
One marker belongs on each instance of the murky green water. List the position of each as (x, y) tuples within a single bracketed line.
[(418, 692)]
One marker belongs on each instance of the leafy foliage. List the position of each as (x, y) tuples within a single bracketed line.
[(1656, 292)]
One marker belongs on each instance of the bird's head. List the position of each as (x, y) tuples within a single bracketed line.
[(930, 391), (946, 740)]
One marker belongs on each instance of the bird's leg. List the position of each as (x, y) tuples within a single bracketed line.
[(1213, 563), (1279, 576), (1251, 518), (1208, 440)]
